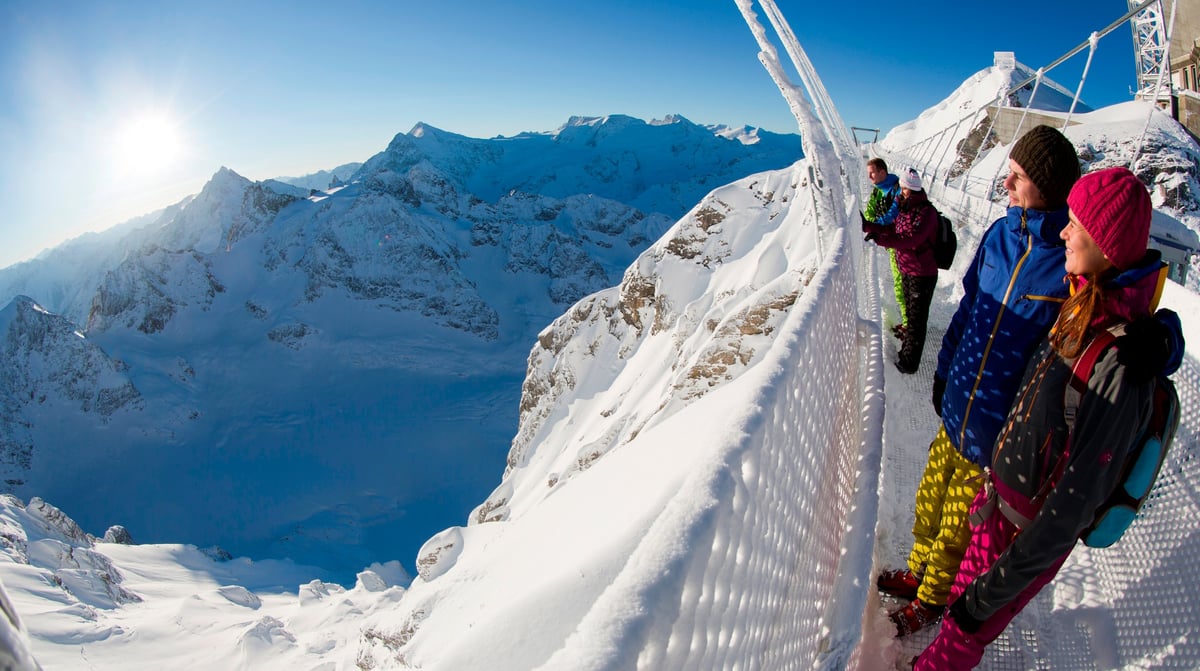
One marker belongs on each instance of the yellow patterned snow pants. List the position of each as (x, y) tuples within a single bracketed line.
[(941, 531)]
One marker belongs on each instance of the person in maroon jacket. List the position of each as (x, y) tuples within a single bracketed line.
[(911, 235)]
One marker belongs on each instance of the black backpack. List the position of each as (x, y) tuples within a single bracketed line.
[(945, 242), (1144, 461)]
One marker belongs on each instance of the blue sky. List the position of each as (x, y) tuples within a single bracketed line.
[(93, 95)]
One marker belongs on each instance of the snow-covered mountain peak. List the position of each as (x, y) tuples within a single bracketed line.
[(23, 316), (587, 121), (974, 94), (427, 131), (670, 119), (223, 180), (618, 124), (743, 134), (15, 308)]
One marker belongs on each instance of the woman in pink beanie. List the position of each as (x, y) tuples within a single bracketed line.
[(1039, 496)]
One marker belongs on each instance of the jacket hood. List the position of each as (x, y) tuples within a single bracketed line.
[(888, 182), (1133, 293), (1046, 225)]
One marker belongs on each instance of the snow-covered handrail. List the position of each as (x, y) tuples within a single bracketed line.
[(827, 112), (836, 186), (1093, 40), (822, 133)]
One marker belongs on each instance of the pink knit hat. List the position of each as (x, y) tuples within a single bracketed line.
[(1114, 208)]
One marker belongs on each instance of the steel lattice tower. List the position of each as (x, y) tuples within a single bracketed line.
[(1151, 47)]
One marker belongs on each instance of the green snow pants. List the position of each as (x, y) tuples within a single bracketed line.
[(898, 287), (941, 531)]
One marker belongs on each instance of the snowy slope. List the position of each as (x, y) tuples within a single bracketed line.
[(332, 377), (614, 437), (581, 558)]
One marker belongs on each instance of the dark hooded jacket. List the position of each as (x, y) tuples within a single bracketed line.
[(1111, 414)]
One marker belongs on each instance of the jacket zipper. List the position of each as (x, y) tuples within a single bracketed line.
[(1052, 299), (1012, 280)]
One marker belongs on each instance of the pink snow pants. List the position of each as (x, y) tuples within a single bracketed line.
[(954, 648)]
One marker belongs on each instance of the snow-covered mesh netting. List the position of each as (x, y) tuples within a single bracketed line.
[(785, 509)]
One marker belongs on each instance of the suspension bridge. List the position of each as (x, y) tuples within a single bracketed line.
[(1129, 602)]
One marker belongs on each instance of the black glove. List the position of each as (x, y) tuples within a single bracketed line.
[(964, 620), (939, 390), (1144, 349)]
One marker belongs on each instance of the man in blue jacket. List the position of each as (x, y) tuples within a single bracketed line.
[(1012, 293)]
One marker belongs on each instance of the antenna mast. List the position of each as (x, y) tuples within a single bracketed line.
[(1150, 49)]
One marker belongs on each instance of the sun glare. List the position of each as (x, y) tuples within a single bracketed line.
[(146, 142)]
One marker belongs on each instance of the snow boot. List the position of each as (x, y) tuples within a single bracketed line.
[(915, 616), (899, 583)]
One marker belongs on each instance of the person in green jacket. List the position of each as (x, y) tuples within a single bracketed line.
[(881, 209)]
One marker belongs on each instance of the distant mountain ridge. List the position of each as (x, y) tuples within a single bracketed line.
[(323, 179), (643, 165), (602, 156), (265, 325)]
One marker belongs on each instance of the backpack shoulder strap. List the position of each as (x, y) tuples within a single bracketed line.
[(1081, 372)]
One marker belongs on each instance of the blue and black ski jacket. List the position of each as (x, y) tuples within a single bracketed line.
[(1012, 293)]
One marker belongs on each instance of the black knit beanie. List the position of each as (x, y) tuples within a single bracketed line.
[(1049, 159)]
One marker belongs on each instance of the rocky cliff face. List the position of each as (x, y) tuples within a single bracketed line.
[(50, 364), (697, 307)]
